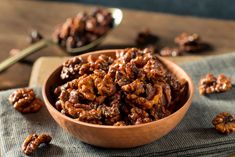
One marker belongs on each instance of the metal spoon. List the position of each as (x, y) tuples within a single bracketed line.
[(116, 14)]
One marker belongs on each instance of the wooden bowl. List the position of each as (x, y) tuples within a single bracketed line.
[(117, 136)]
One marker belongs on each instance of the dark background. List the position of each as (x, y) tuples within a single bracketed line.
[(222, 9)]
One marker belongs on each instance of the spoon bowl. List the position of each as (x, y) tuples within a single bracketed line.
[(117, 16)]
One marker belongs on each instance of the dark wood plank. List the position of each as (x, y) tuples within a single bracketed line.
[(19, 17)]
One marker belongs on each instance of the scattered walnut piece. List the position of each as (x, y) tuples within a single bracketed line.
[(145, 38), (32, 142), (25, 101), (189, 42), (167, 51), (210, 84), (224, 122), (223, 83)]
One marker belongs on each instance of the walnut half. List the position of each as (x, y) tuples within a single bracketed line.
[(224, 122), (210, 84), (25, 101), (32, 142)]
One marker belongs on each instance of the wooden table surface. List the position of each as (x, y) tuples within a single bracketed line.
[(18, 18)]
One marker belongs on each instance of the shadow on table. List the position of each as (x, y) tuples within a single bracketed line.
[(48, 149), (227, 96)]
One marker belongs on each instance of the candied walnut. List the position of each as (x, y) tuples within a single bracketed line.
[(223, 83), (121, 78), (74, 96), (86, 87), (85, 68), (171, 52), (136, 87), (72, 84), (186, 38), (143, 102), (70, 43), (224, 123), (113, 68), (131, 70), (24, 101), (71, 109), (103, 17), (166, 94), (210, 84), (150, 91), (33, 141), (159, 112), (189, 42), (69, 103), (145, 38), (71, 68), (141, 75), (64, 95), (157, 98), (174, 83), (103, 62), (139, 61), (104, 85), (92, 116), (112, 112), (23, 94), (178, 95), (154, 70), (127, 54), (138, 116), (34, 106)]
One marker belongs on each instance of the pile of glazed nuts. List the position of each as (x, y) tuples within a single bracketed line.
[(133, 88), (83, 29)]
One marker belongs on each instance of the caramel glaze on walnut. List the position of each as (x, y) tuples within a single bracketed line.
[(32, 142), (210, 84), (25, 101), (189, 42), (224, 122), (133, 88)]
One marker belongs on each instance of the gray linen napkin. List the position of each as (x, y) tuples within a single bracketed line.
[(194, 136)]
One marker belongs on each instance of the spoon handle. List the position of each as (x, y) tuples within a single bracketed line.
[(23, 53)]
